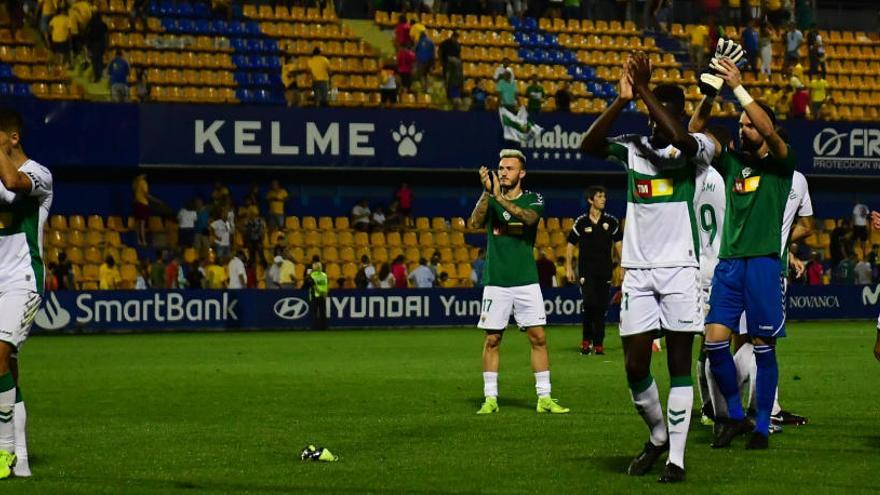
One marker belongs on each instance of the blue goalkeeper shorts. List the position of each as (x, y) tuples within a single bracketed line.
[(753, 285)]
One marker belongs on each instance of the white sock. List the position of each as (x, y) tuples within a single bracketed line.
[(542, 384), (7, 414), (490, 383), (678, 409), (776, 407), (719, 403), (647, 402), (20, 430), (744, 360)]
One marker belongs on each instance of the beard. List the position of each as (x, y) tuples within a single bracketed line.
[(514, 181)]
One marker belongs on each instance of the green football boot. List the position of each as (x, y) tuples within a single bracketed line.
[(7, 461), (489, 406), (550, 405)]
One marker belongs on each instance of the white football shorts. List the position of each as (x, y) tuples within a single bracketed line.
[(525, 302), (661, 298), (17, 311)]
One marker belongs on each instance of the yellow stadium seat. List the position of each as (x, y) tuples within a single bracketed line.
[(111, 252), (342, 223), (345, 238), (441, 240), (76, 238), (94, 238), (75, 255), (426, 240), (379, 255), (309, 223), (92, 255), (298, 256), (423, 223), (458, 224), (346, 254), (377, 239), (438, 223), (361, 239), (76, 222), (410, 239), (349, 270), (392, 239), (58, 222), (51, 254), (330, 255), (412, 255), (291, 223), (325, 223), (312, 239), (296, 239)]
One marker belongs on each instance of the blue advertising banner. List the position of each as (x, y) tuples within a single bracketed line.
[(102, 311), (128, 135)]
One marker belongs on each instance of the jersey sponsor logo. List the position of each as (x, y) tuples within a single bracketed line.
[(588, 230), (744, 186), (52, 316), (291, 308), (654, 188), (746, 172), (506, 215)]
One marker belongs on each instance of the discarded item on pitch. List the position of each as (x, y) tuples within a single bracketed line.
[(314, 453)]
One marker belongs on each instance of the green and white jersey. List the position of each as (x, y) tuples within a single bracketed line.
[(799, 204), (661, 230), (22, 217), (709, 205), (757, 191), (509, 258)]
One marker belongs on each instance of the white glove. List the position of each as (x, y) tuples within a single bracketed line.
[(710, 84)]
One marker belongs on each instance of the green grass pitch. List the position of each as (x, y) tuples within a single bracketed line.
[(229, 413)]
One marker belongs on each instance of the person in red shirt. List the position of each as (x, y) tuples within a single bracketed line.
[(398, 269), (171, 271), (404, 197), (401, 33), (800, 104), (406, 60), (815, 271)]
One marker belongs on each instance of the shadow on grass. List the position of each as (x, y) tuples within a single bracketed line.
[(502, 403)]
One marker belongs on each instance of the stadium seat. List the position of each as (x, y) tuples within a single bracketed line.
[(93, 255), (329, 238), (426, 240), (342, 223), (58, 222), (330, 254), (346, 254), (412, 255), (312, 239), (410, 239), (90, 277), (392, 239), (309, 223), (291, 223), (76, 222), (325, 223), (129, 255), (377, 239), (345, 238), (379, 255), (94, 238), (296, 239)]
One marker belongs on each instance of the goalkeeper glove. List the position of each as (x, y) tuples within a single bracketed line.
[(710, 83)]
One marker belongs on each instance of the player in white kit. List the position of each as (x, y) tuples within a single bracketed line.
[(25, 199)]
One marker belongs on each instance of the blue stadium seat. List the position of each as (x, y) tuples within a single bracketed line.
[(186, 26), (239, 45), (244, 95), (185, 10), (530, 24), (253, 28), (544, 57), (570, 58), (242, 78), (556, 57), (201, 10), (631, 107), (255, 46), (22, 90), (6, 72), (515, 22), (5, 89), (260, 79), (220, 27), (275, 80), (203, 27), (167, 8), (153, 9), (234, 28), (271, 63), (169, 25), (241, 61), (270, 46)]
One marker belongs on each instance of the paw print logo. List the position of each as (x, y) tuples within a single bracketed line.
[(407, 139)]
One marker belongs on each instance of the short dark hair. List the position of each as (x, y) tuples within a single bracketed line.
[(671, 93), (768, 110), (592, 191), (10, 121), (721, 133)]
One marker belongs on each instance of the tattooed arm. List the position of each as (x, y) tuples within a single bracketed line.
[(527, 215)]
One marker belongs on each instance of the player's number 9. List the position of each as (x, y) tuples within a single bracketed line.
[(708, 222)]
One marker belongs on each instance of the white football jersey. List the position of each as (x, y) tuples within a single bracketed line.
[(798, 204), (710, 203), (22, 217), (660, 230)]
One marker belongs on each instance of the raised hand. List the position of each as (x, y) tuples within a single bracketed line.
[(640, 69), (875, 219), (626, 86), (730, 73), (485, 180)]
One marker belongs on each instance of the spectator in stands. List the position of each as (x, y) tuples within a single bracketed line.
[(874, 259), (793, 39), (434, 265), (561, 277), (238, 278), (215, 275), (401, 32), (815, 271), (319, 67), (424, 59), (416, 30), (288, 80), (60, 26), (360, 215), (501, 69), (454, 82), (829, 110), (477, 268), (404, 197), (861, 212), (118, 71), (863, 274), (143, 275), (393, 219), (141, 207), (450, 48), (64, 273), (507, 92), (546, 270), (255, 230), (816, 50), (108, 274), (141, 86), (96, 45), (697, 46), (422, 277), (275, 198), (377, 220), (386, 278), (220, 196), (845, 271), (818, 93), (273, 274), (222, 8), (563, 98), (800, 103), (750, 44), (138, 11), (157, 271), (796, 78), (840, 242), (202, 230), (389, 87), (80, 12), (195, 276), (366, 277), (186, 224), (47, 10), (478, 97), (172, 272), (765, 42), (398, 269), (535, 97), (221, 232), (406, 61)]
